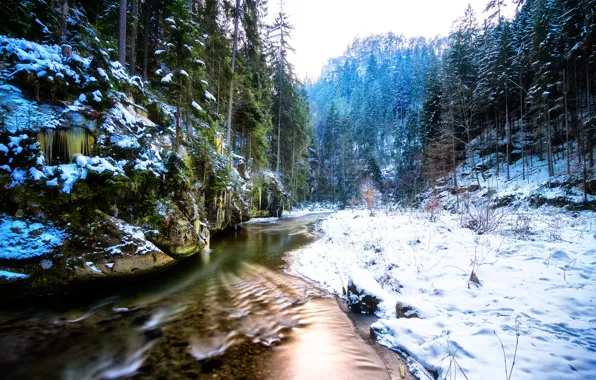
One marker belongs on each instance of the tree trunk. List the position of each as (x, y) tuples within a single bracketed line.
[(521, 126), (497, 144), (293, 158), (549, 143), (589, 136), (507, 134), (63, 21), (578, 122), (234, 48), (133, 36), (122, 33), (189, 129), (568, 153), (277, 164), (178, 124), (146, 40)]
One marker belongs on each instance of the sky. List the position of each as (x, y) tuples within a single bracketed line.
[(324, 28)]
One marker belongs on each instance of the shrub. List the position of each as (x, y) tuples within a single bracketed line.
[(482, 219)]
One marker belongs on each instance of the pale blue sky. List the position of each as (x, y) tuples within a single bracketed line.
[(323, 28)]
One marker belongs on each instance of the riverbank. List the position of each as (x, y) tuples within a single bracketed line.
[(454, 300)]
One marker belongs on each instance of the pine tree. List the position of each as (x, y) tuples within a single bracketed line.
[(182, 68)]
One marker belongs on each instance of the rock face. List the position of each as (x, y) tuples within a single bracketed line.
[(179, 238), (91, 154), (359, 301), (50, 259)]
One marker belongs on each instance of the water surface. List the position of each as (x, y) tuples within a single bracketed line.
[(230, 314)]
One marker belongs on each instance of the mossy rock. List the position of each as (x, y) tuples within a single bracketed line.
[(178, 237)]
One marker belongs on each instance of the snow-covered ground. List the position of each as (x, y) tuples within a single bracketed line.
[(313, 208), (537, 275)]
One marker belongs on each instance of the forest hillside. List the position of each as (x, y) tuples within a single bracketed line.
[(406, 115)]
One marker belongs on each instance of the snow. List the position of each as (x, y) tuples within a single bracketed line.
[(92, 266), (314, 208), (126, 142), (97, 95), (23, 239), (133, 236), (44, 28), (82, 161), (196, 106), (540, 285), (18, 176), (103, 74), (525, 183), (71, 173), (19, 113), (167, 78), (209, 96), (144, 163), (3, 148), (39, 59), (36, 174), (11, 275)]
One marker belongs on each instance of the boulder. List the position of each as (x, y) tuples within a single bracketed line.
[(359, 301), (178, 236), (405, 311)]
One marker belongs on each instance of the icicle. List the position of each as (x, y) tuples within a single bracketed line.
[(46, 141), (65, 145), (76, 143)]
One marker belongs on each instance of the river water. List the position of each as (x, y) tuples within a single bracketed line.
[(231, 314)]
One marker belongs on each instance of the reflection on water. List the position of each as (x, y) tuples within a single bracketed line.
[(328, 349), (231, 313)]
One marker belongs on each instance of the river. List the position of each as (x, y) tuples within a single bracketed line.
[(231, 314)]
